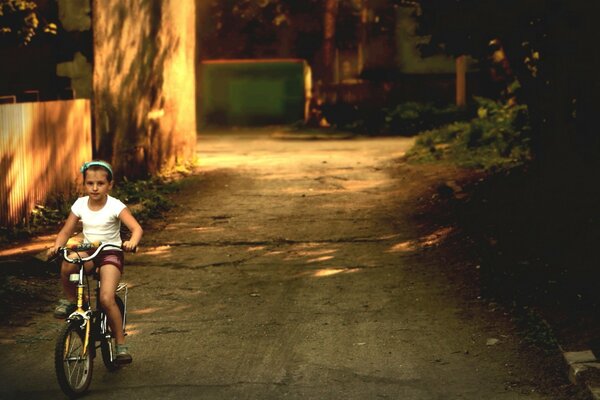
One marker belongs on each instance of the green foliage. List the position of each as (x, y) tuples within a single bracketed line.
[(146, 199), (499, 135), (412, 117), (404, 119), (537, 36), (20, 21), (536, 331)]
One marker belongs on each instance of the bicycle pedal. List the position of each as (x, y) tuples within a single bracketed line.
[(123, 360)]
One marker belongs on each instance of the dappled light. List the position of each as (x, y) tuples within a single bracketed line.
[(316, 252), (319, 259), (39, 244), (426, 241), (312, 251), (255, 248), (42, 146), (132, 329), (145, 311), (333, 271), (159, 250), (409, 245), (207, 229)]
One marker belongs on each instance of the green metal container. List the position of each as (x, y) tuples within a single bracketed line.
[(254, 92)]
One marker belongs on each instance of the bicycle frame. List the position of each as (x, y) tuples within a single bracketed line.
[(86, 316)]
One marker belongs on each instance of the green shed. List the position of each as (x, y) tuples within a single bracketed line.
[(254, 92)]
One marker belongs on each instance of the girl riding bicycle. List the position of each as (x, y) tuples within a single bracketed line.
[(101, 215)]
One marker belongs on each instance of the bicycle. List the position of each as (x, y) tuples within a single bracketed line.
[(86, 329)]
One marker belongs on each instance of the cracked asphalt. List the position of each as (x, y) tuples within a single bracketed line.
[(296, 269)]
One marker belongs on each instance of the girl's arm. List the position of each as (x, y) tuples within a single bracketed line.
[(65, 233), (136, 230)]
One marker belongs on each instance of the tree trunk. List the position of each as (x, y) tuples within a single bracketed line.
[(328, 49), (144, 84)]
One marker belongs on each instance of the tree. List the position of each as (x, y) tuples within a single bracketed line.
[(20, 21), (144, 84), (307, 29), (259, 29), (551, 47)]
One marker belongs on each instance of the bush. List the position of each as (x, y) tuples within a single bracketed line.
[(499, 135), (405, 119)]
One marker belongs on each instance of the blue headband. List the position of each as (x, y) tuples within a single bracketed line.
[(103, 164)]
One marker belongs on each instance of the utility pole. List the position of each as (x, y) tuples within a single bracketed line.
[(461, 81)]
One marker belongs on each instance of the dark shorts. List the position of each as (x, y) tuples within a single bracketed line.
[(113, 257)]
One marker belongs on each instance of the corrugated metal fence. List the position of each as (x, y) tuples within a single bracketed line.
[(42, 146)]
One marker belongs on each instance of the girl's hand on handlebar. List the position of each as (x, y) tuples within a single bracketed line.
[(52, 251), (129, 246)]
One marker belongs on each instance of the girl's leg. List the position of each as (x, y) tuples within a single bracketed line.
[(69, 288), (66, 269), (109, 280)]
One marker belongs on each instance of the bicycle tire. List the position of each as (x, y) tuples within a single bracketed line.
[(73, 364), (107, 345)]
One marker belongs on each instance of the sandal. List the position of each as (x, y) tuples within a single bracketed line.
[(64, 308), (122, 354)]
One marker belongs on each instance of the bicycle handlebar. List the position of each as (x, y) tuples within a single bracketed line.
[(101, 247)]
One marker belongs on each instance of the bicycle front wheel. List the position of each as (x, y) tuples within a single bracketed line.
[(73, 362)]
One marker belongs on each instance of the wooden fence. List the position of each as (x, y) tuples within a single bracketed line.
[(42, 146)]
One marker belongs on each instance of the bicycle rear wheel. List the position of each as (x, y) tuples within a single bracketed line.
[(107, 343), (73, 363)]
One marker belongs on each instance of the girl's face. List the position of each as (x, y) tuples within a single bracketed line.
[(96, 184)]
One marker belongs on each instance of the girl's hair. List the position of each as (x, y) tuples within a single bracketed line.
[(98, 165)]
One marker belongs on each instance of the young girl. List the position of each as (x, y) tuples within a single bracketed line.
[(101, 216)]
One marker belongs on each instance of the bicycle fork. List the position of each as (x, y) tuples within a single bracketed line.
[(80, 311)]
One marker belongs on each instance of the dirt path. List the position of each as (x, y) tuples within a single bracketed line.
[(300, 269)]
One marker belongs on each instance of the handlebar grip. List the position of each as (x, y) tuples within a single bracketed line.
[(134, 250), (77, 245)]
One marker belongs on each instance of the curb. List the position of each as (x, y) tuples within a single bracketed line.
[(584, 370)]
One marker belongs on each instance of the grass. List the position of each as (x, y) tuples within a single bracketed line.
[(497, 137)]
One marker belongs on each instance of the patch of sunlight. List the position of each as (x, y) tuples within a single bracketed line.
[(333, 271), (403, 246), (255, 248), (436, 237), (274, 253), (132, 329), (153, 251), (28, 248), (316, 252), (387, 237), (145, 311), (307, 191), (425, 241), (306, 245), (207, 229), (319, 259)]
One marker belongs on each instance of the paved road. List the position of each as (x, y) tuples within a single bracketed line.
[(293, 269)]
